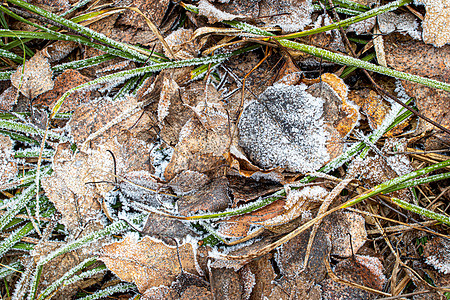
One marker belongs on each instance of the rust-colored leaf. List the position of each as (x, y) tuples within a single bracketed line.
[(64, 82), (147, 262)]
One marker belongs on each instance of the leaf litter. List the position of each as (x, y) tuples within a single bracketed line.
[(233, 147)]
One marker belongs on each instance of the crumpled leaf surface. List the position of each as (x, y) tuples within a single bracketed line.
[(436, 25), (290, 15), (363, 270), (34, 78), (67, 80), (147, 262), (417, 58), (8, 166), (437, 254)]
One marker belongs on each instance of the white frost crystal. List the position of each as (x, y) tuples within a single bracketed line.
[(284, 128)]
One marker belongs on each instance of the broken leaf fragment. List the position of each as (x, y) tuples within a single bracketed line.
[(147, 262), (437, 254), (34, 78)]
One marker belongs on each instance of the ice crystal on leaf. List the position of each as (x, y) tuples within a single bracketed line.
[(284, 128)]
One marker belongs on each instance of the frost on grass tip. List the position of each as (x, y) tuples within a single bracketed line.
[(284, 128)]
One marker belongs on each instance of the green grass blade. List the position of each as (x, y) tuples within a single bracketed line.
[(28, 129), (414, 182), (14, 57), (120, 288), (49, 290), (422, 211), (10, 269), (80, 29), (19, 202), (14, 237)]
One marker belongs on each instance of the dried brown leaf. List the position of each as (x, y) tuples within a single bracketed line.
[(8, 167), (182, 44), (34, 78), (436, 25), (340, 227), (363, 270), (153, 9), (437, 254), (147, 262), (67, 80), (8, 98), (417, 58)]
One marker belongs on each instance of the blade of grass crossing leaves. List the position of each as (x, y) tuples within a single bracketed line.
[(49, 290), (28, 129), (10, 269), (14, 57), (20, 138), (120, 288), (121, 76), (14, 237), (414, 182), (80, 29), (422, 211), (19, 202), (391, 184)]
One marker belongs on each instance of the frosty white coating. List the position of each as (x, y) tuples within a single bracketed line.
[(284, 128)]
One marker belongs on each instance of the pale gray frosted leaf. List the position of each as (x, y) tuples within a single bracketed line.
[(285, 129), (34, 78)]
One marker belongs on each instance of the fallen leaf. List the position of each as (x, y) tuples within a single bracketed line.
[(437, 254), (8, 98), (264, 277), (290, 15), (8, 166), (363, 270), (188, 181), (57, 267), (53, 5), (203, 141), (436, 25), (291, 255), (225, 283), (169, 90), (147, 262), (340, 227), (415, 57), (59, 50), (285, 128), (167, 229), (67, 188), (67, 80), (34, 78), (153, 9), (405, 23), (182, 45), (91, 117), (275, 214), (211, 197)]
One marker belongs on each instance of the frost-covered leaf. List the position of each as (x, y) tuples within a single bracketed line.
[(167, 229), (290, 15), (59, 50), (8, 98), (8, 166), (417, 58), (225, 283), (437, 254), (340, 227), (67, 80), (363, 270), (92, 117), (436, 25), (285, 129), (404, 23), (58, 266), (147, 262), (374, 108), (77, 201), (182, 44), (188, 181), (53, 5), (295, 128), (211, 197), (153, 9), (203, 141), (275, 214), (34, 78)]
